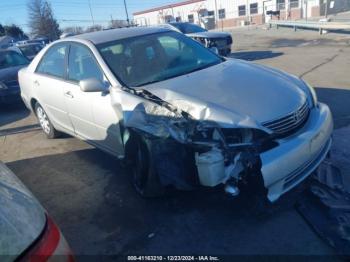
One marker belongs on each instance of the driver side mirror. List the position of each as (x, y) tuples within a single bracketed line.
[(92, 85)]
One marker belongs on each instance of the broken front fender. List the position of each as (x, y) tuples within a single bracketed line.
[(177, 118)]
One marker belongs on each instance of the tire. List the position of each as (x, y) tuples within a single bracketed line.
[(45, 122), (144, 175)]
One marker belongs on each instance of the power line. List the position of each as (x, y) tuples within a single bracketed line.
[(81, 20)]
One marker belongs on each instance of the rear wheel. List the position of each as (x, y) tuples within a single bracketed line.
[(45, 122), (144, 175)]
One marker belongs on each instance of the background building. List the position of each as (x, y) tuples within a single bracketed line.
[(231, 13)]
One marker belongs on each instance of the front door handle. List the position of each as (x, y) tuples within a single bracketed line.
[(68, 94)]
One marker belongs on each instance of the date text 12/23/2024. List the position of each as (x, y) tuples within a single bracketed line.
[(173, 258)]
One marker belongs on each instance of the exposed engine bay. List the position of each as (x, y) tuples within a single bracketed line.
[(192, 152)]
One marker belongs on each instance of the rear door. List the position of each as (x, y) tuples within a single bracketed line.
[(91, 113), (48, 81)]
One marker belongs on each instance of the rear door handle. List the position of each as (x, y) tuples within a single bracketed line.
[(36, 83), (68, 94)]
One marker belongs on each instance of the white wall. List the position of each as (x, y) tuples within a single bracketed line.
[(157, 17), (310, 4), (230, 6)]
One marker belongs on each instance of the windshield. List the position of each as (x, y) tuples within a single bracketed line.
[(187, 28), (11, 58), (152, 58), (30, 50)]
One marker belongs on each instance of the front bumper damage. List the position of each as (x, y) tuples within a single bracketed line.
[(297, 157), (190, 152)]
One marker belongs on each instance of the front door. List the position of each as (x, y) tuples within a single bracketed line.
[(90, 112)]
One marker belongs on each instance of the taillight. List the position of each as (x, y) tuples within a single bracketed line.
[(50, 243)]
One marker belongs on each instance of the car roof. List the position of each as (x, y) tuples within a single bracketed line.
[(117, 34)]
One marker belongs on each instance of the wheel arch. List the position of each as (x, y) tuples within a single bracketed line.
[(33, 102)]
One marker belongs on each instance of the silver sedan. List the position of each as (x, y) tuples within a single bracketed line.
[(180, 114)]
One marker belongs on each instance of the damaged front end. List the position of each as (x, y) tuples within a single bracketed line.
[(188, 152)]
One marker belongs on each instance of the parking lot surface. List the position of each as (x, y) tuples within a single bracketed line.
[(89, 194)]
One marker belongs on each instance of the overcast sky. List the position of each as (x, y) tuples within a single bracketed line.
[(76, 12)]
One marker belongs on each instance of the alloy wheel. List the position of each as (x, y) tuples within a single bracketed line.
[(43, 120)]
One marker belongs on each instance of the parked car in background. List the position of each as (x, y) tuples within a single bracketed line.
[(29, 50), (220, 40), (181, 114), (10, 63), (41, 40), (21, 42), (27, 231)]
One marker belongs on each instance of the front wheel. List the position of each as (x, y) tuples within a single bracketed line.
[(144, 175), (45, 122)]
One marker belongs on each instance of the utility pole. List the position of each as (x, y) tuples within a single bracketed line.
[(248, 11), (264, 13), (92, 17), (326, 9), (216, 14), (126, 12), (306, 11)]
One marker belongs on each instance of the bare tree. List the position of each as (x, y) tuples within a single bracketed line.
[(14, 31), (2, 30), (42, 21)]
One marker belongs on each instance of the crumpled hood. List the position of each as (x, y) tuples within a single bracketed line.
[(208, 34), (233, 93), (22, 218)]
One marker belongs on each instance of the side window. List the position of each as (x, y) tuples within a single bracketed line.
[(53, 61), (82, 64)]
